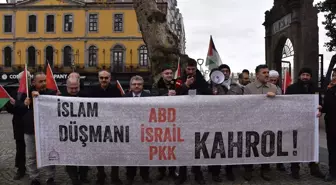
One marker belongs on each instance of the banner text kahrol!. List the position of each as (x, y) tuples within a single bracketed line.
[(175, 131)]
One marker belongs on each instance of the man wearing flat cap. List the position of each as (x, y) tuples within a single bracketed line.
[(304, 85)]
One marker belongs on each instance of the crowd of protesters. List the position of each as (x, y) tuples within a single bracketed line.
[(266, 82)]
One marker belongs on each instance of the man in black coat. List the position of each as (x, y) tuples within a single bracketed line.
[(73, 90), (38, 87), (304, 85), (106, 90), (165, 86), (136, 90), (20, 156), (192, 80), (329, 108)]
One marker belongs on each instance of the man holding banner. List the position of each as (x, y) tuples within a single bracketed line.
[(304, 85), (165, 86), (136, 91), (228, 87), (73, 90), (106, 90), (192, 80), (38, 87), (260, 86)]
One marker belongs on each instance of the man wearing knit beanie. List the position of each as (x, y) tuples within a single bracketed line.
[(304, 85)]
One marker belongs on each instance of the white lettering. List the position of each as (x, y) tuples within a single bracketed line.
[(12, 77), (282, 24), (60, 76)]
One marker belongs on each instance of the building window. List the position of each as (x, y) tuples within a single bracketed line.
[(67, 56), (31, 56), (32, 23), (93, 56), (118, 22), (118, 58), (8, 24), (68, 23), (93, 22), (7, 53), (49, 53), (143, 56), (50, 23)]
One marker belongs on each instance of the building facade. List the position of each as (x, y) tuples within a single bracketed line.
[(72, 35)]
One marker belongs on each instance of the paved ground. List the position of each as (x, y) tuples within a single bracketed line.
[(7, 151)]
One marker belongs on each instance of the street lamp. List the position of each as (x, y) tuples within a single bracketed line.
[(200, 62)]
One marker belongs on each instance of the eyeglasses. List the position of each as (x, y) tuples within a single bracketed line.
[(103, 77)]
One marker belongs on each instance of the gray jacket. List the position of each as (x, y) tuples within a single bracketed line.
[(235, 89)]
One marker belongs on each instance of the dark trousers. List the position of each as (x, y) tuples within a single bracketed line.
[(196, 170), (264, 167), (163, 169), (74, 171), (20, 156), (215, 170), (295, 167), (331, 144), (131, 172), (114, 172)]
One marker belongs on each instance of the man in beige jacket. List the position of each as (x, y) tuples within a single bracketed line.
[(260, 85)]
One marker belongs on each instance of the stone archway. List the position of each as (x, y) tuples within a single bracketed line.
[(295, 20)]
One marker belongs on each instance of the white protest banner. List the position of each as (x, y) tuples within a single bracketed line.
[(176, 130)]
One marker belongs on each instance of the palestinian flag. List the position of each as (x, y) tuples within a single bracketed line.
[(4, 97), (213, 59)]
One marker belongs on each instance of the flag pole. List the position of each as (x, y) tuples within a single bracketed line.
[(27, 86), (285, 81)]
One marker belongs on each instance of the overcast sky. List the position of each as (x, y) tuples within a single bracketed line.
[(236, 27)]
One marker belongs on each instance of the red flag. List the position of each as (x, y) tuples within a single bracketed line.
[(286, 81), (50, 80), (23, 87), (120, 88)]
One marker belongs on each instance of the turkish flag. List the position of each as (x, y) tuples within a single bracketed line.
[(51, 83), (24, 85), (286, 81)]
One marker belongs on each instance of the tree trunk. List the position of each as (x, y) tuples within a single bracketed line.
[(162, 44)]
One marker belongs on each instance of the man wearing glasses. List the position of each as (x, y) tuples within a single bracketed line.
[(106, 90), (136, 90)]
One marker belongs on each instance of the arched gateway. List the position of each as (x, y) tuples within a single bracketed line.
[(295, 20)]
